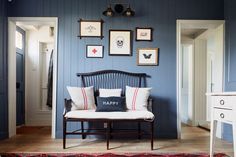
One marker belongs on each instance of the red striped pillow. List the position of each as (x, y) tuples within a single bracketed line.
[(137, 98), (83, 98)]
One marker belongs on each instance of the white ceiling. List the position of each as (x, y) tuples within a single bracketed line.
[(34, 25), (192, 32)]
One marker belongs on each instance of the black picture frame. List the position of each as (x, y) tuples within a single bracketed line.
[(91, 45), (92, 22), (138, 38), (111, 42)]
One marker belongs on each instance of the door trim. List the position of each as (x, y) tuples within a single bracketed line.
[(12, 70), (194, 24)]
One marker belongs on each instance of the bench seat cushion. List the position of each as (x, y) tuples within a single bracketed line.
[(91, 114)]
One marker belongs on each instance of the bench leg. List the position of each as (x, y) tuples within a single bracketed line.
[(64, 132), (110, 130), (108, 134), (82, 129), (152, 129), (139, 130)]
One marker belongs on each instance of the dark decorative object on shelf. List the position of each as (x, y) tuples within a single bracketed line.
[(119, 9), (91, 28)]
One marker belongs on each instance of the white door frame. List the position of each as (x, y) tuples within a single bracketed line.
[(191, 23), (12, 70)]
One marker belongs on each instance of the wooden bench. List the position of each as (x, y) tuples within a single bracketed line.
[(109, 79)]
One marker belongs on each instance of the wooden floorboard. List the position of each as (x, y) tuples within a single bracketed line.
[(38, 139)]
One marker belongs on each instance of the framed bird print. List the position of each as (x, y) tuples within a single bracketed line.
[(90, 28), (147, 56)]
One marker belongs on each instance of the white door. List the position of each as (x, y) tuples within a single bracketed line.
[(186, 84), (215, 56), (45, 50)]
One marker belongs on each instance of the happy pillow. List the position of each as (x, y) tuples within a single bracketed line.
[(111, 104)]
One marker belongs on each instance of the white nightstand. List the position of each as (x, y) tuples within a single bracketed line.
[(223, 109)]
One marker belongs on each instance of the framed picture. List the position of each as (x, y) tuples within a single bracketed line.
[(94, 51), (143, 34), (120, 43), (91, 28), (147, 56)]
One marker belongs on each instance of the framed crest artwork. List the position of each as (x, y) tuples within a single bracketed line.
[(143, 34), (91, 28), (94, 51), (147, 56), (120, 43)]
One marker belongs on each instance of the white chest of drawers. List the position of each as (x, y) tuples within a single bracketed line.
[(223, 109)]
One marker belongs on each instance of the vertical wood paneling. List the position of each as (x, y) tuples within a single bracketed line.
[(3, 73), (159, 14), (230, 56)]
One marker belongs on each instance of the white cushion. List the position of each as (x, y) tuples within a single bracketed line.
[(109, 92), (83, 98), (137, 98), (91, 114)]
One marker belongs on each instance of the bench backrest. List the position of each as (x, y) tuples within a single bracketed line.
[(112, 79)]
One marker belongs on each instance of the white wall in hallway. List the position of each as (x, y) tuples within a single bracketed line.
[(33, 96)]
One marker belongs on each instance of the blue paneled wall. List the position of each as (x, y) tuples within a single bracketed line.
[(159, 14), (3, 73), (230, 56)]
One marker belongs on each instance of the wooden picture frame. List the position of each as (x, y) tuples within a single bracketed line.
[(91, 28), (120, 42), (148, 56), (144, 34), (94, 51)]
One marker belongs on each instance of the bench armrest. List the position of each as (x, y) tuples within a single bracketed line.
[(67, 106), (149, 106)]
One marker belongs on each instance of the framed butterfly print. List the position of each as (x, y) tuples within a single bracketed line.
[(147, 56)]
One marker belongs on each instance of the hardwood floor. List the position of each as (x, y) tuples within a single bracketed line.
[(37, 139)]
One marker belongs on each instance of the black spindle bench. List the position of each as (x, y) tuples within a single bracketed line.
[(109, 79)]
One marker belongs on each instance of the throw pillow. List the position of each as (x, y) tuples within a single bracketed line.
[(110, 92), (83, 98), (137, 98), (110, 104)]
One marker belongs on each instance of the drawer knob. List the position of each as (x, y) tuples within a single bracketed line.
[(222, 115), (222, 102)]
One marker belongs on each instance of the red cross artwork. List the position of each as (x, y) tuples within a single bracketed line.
[(94, 51)]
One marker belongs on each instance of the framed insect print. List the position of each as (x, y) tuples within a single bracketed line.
[(143, 34), (147, 56), (120, 43), (94, 51), (90, 28)]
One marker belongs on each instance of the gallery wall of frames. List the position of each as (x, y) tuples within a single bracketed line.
[(120, 42)]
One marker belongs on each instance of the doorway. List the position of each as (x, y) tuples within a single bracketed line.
[(200, 57), (32, 75)]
